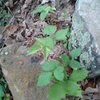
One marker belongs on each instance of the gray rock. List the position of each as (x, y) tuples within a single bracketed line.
[(21, 74), (86, 34), (1, 40)]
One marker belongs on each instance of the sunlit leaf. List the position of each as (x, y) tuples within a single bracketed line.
[(39, 9), (34, 49), (43, 15), (47, 8), (46, 42), (46, 51)]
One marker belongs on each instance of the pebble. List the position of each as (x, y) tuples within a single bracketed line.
[(1, 53), (21, 62), (6, 53)]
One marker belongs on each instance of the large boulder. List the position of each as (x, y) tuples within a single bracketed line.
[(86, 34), (21, 73)]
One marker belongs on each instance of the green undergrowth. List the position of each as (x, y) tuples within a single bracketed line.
[(4, 14), (64, 74), (3, 87)]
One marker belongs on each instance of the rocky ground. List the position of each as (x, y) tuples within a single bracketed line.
[(19, 34)]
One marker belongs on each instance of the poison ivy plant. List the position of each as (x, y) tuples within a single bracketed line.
[(55, 70), (62, 82), (49, 42), (43, 10)]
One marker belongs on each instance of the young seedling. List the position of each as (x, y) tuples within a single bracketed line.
[(43, 10)]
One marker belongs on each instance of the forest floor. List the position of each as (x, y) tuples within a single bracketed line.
[(24, 26)]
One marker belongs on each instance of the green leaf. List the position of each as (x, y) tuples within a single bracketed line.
[(78, 75), (68, 34), (41, 41), (34, 49), (75, 53), (65, 45), (74, 64), (39, 9), (73, 89), (47, 9), (46, 42), (65, 59), (1, 92), (46, 51), (57, 91), (59, 73), (53, 8), (50, 65), (49, 42), (49, 29), (44, 78), (61, 34), (43, 15)]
